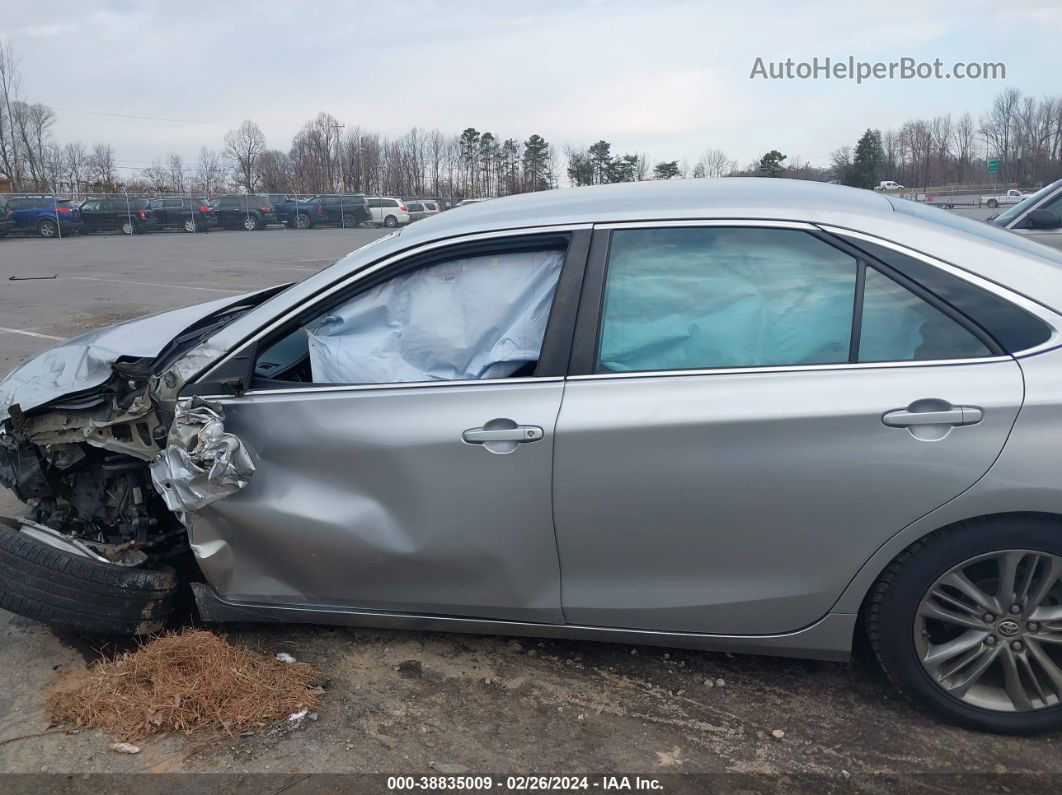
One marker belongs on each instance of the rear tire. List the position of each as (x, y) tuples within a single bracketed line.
[(897, 624), (251, 223), (349, 222), (128, 228), (47, 584), (390, 222), (992, 204), (191, 226), (47, 228)]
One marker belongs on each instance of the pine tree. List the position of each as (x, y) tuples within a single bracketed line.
[(536, 163), (869, 156)]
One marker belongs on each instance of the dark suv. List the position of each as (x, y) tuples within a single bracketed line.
[(190, 214), (7, 223), (244, 212), (130, 216), (45, 215), (344, 209)]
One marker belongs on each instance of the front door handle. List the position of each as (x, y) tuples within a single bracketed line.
[(519, 433), (957, 415)]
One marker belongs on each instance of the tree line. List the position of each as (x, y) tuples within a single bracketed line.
[(325, 156)]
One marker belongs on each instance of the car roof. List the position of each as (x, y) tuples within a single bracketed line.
[(1031, 269)]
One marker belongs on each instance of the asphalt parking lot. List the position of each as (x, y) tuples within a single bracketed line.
[(416, 702)]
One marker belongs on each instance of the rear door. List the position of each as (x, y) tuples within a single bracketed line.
[(754, 410)]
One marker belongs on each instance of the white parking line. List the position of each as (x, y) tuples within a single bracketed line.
[(155, 284), (30, 333)]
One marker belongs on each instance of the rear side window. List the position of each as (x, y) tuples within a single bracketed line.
[(702, 298), (390, 203), (1012, 328), (711, 298), (899, 326)]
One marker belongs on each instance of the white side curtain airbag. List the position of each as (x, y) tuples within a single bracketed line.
[(479, 317)]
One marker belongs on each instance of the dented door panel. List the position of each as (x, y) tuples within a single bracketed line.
[(368, 497)]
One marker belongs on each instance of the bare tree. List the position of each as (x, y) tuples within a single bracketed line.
[(715, 163), (965, 141), (75, 161), (33, 128), (244, 147), (209, 171), (10, 95), (101, 166), (276, 172), (177, 175), (156, 177)]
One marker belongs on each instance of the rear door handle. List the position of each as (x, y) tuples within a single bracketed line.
[(958, 415), (520, 434)]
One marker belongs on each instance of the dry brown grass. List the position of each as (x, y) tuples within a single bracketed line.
[(184, 681)]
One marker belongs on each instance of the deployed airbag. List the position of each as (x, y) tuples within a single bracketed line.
[(472, 318)]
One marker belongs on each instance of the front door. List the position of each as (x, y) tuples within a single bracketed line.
[(764, 410), (403, 441)]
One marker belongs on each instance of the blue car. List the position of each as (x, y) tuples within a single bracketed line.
[(45, 215)]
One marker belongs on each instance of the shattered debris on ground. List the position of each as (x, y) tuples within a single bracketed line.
[(185, 681)]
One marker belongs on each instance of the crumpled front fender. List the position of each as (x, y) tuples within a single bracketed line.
[(201, 462)]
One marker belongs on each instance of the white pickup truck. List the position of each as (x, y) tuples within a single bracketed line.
[(1012, 196)]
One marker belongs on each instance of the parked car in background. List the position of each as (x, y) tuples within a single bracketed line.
[(534, 418), (888, 184), (1038, 216), (388, 211), (190, 214), (1012, 196), (7, 223), (347, 210), (250, 212), (45, 215), (466, 202), (415, 209), (431, 207), (129, 216)]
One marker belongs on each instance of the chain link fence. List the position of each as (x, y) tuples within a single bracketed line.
[(56, 215)]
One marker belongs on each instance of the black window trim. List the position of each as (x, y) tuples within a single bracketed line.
[(586, 342)]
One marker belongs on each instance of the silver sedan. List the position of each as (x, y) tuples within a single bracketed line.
[(750, 415)]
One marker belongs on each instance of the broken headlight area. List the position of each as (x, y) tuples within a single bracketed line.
[(83, 466), (84, 473)]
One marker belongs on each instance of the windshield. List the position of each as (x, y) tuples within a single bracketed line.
[(1005, 218), (981, 230)]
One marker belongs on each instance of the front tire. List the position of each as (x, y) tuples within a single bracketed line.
[(968, 623), (59, 588), (302, 221)]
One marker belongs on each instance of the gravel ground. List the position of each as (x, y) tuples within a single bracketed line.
[(427, 703)]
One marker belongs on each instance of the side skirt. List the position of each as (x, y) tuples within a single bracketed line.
[(829, 638)]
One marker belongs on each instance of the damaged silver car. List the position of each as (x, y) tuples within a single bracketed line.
[(745, 415)]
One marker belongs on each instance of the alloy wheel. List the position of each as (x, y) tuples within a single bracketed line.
[(989, 631)]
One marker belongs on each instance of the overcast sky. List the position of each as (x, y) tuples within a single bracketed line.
[(667, 78)]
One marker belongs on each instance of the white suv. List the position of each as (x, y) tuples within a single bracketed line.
[(388, 211)]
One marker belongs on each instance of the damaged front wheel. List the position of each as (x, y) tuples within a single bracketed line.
[(74, 591)]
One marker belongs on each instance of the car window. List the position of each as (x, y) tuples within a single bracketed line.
[(90, 206), (390, 203), (476, 317), (375, 203), (173, 204), (699, 298), (897, 325)]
